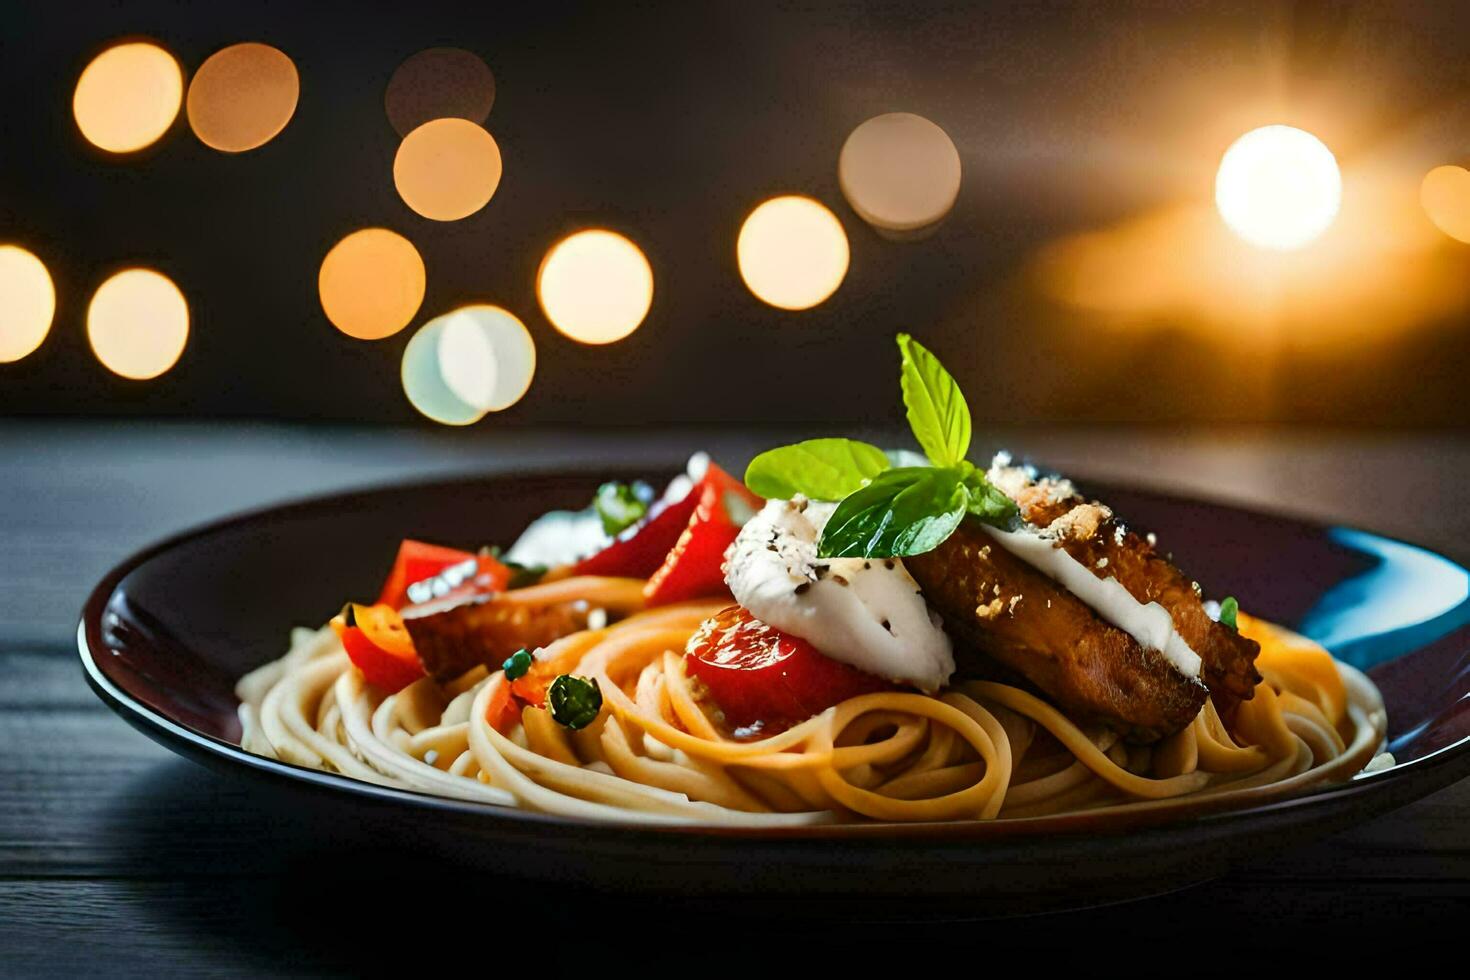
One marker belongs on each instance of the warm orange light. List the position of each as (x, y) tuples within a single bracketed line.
[(27, 303), (1278, 188), (447, 169), (900, 172), (595, 286), (439, 83), (138, 323), (1379, 268), (371, 283), (128, 96), (242, 96), (792, 252), (1445, 196)]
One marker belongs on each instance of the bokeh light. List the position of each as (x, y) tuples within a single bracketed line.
[(595, 286), (242, 97), (1445, 197), (372, 283), (138, 323), (900, 173), (470, 361), (439, 83), (1278, 187), (27, 303), (447, 169), (486, 356), (792, 252), (128, 96), (1380, 268)]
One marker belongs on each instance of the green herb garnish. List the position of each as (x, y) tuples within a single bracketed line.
[(574, 701), (936, 407), (822, 469), (888, 509), (517, 664), (1229, 610), (621, 505), (905, 511)]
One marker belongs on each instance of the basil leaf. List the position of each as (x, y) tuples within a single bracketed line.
[(988, 502), (621, 505), (1229, 610), (937, 411), (822, 469), (905, 511)]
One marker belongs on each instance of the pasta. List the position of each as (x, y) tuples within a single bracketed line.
[(979, 750)]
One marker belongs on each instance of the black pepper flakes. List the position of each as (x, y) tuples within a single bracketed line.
[(801, 589), (888, 564), (839, 580)]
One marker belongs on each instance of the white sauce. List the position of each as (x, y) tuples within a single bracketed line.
[(1151, 625), (877, 621)]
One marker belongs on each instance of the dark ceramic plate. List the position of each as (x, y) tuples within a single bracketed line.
[(164, 637)]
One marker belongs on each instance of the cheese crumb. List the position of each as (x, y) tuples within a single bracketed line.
[(990, 610)]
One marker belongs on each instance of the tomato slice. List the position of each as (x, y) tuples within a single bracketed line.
[(642, 549), (763, 680), (442, 571), (378, 645)]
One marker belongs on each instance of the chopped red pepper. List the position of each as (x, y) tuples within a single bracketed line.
[(419, 562), (531, 686), (503, 712), (641, 550), (694, 567), (767, 680), (378, 645)]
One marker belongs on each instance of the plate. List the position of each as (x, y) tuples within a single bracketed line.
[(165, 635)]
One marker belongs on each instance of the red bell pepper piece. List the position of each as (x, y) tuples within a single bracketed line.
[(694, 566), (378, 645), (504, 711), (419, 562), (640, 551)]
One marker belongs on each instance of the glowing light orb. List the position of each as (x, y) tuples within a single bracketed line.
[(1278, 188), (128, 96), (372, 283), (471, 361), (439, 83), (1445, 195), (27, 303), (792, 252), (447, 169), (138, 323), (900, 173), (595, 286), (242, 97)]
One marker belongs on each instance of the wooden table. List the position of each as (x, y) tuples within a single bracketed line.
[(117, 857)]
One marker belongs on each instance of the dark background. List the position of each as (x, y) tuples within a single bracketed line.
[(669, 122)]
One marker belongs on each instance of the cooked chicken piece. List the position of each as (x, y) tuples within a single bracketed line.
[(1092, 534), (465, 629), (995, 602), (485, 630)]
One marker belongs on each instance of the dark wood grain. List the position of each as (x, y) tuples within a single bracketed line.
[(117, 857)]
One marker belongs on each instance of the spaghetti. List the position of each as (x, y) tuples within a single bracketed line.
[(979, 750)]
